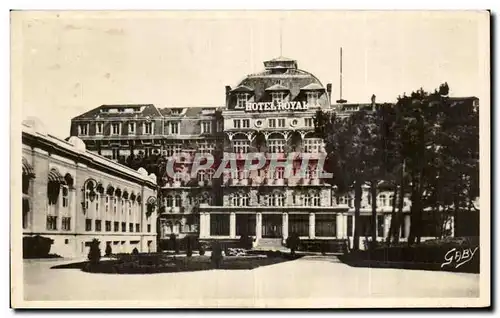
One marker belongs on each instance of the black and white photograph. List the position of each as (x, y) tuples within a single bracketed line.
[(250, 159)]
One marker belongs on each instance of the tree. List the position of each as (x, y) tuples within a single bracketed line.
[(216, 256), (94, 255), (350, 153), (108, 250), (293, 242)]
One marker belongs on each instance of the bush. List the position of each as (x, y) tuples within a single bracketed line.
[(202, 251), (95, 252), (173, 242), (189, 243), (293, 242), (246, 242), (216, 254), (108, 250), (135, 251), (36, 246)]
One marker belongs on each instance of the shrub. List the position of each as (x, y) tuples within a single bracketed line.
[(202, 251), (216, 254), (190, 243), (246, 242), (95, 252), (292, 242), (108, 250), (173, 242), (135, 251), (324, 247), (36, 246)]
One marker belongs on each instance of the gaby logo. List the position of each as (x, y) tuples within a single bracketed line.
[(458, 257)]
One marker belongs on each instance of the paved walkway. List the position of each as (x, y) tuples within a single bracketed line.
[(311, 277)]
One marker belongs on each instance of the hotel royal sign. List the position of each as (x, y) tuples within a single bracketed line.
[(270, 106)]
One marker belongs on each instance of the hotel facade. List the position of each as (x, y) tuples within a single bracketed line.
[(270, 112), (72, 196)]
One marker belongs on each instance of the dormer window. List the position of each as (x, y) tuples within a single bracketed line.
[(131, 128), (115, 128), (98, 128), (174, 128), (176, 111), (83, 129), (241, 100), (312, 98), (148, 128), (206, 127), (277, 97)]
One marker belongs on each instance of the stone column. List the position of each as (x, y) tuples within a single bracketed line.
[(387, 224), (232, 225), (207, 224), (340, 219), (285, 226), (312, 225), (203, 225), (258, 226)]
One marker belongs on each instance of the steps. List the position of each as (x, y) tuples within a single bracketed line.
[(273, 244)]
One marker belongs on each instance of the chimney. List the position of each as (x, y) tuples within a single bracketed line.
[(329, 90)]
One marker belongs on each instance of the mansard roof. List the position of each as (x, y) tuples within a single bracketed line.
[(121, 111)]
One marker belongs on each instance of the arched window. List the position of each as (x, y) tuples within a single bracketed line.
[(97, 198), (391, 200), (169, 229), (115, 204), (201, 175), (234, 199), (244, 200), (178, 201), (382, 200), (280, 199), (311, 172), (206, 198), (210, 174), (316, 200), (279, 173), (65, 196), (106, 204), (178, 227), (169, 201)]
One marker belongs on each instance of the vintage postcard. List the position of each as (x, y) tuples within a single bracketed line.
[(250, 159)]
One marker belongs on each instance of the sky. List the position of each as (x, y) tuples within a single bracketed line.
[(70, 62)]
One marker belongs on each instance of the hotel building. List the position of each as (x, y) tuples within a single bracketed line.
[(72, 196), (269, 112)]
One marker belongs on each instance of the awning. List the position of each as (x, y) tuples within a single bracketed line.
[(28, 169), (55, 176)]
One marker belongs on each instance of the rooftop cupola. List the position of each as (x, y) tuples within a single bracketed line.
[(280, 64)]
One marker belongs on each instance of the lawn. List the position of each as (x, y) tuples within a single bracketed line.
[(165, 263)]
